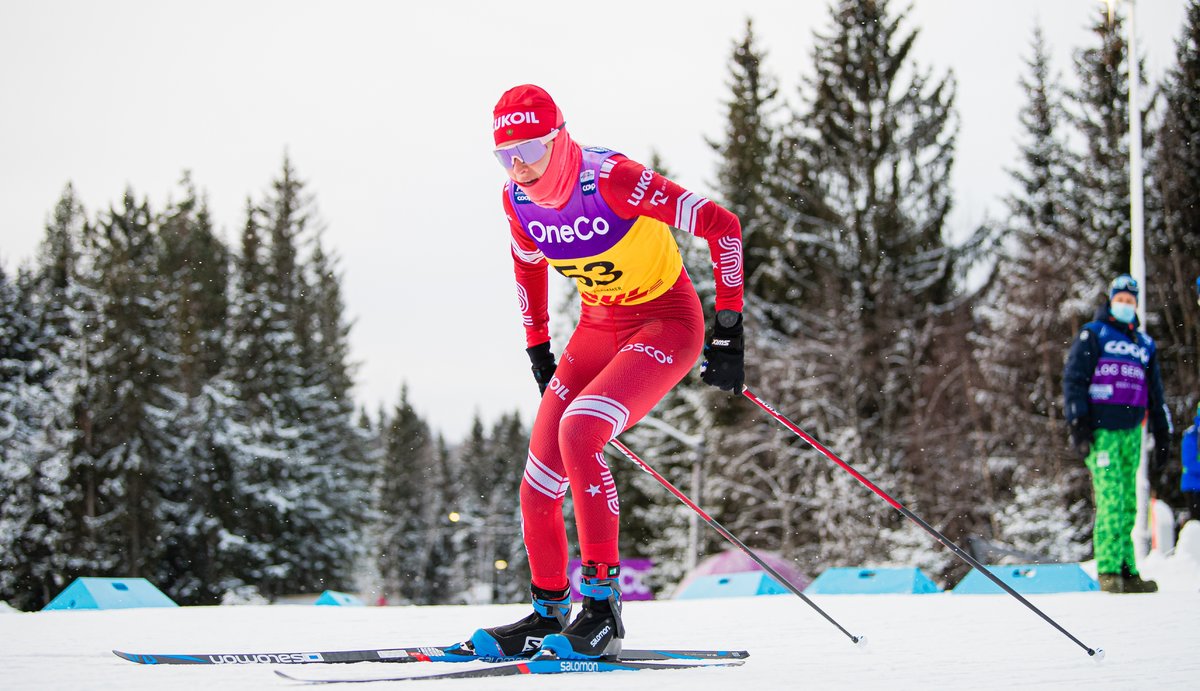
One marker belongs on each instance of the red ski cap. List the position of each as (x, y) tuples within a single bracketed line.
[(524, 112)]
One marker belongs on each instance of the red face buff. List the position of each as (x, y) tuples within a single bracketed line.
[(527, 112)]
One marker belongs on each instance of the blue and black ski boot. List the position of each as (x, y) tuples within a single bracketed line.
[(551, 611), (597, 632)]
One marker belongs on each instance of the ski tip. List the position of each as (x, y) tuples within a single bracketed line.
[(127, 656)]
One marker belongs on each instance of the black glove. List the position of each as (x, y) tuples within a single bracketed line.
[(1161, 455), (543, 365), (724, 363), (1081, 436)]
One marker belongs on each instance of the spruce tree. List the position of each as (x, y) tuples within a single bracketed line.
[(1101, 117), (408, 523), (196, 265), (469, 535), (863, 190), (1020, 342), (745, 158), (33, 467), (1173, 246), (297, 519), (37, 557), (196, 472), (443, 477), (247, 505), (118, 508), (343, 469), (508, 451)]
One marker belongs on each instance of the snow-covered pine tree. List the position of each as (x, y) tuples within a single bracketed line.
[(32, 452), (241, 412), (118, 507), (442, 486), (196, 473), (408, 516), (1100, 115), (864, 178), (292, 515), (1022, 336), (340, 475), (1173, 249), (746, 153), (692, 419), (508, 448), (468, 529), (196, 265), (35, 550)]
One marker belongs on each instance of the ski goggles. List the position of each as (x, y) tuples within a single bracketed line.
[(1124, 283), (529, 152)]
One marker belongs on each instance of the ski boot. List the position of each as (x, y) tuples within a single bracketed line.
[(597, 632), (551, 610)]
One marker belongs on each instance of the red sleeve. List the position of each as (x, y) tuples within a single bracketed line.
[(632, 190), (529, 268)]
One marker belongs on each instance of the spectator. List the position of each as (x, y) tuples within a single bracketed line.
[(1110, 383)]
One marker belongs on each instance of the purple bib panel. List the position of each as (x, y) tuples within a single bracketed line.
[(584, 227)]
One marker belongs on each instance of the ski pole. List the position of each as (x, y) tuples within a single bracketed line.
[(861, 641), (1097, 652)]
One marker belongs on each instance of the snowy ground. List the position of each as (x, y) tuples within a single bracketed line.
[(939, 641), (916, 642)]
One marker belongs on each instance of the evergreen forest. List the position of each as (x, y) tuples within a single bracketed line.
[(178, 406)]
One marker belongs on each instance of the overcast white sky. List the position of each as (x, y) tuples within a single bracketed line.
[(385, 109)]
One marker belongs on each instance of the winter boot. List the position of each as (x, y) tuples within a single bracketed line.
[(1133, 583), (597, 631), (551, 611), (1112, 583)]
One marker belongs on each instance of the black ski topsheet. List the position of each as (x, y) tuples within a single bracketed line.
[(512, 669), (447, 653)]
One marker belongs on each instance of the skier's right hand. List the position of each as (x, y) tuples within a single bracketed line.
[(1081, 436), (543, 365), (724, 354)]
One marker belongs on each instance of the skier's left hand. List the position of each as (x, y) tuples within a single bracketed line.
[(544, 366), (724, 359)]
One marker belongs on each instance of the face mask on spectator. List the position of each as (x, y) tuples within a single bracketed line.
[(1123, 312)]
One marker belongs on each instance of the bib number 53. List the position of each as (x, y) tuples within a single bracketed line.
[(592, 274)]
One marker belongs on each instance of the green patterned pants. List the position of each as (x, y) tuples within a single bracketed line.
[(1114, 460)]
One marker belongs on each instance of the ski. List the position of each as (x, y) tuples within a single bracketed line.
[(512, 669), (447, 653)]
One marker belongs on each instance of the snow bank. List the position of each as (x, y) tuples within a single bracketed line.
[(1179, 569)]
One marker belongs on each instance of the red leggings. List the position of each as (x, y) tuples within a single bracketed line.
[(619, 363)]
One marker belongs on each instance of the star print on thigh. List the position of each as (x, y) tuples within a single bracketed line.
[(610, 486)]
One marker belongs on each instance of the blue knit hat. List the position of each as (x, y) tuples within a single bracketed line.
[(1123, 284)]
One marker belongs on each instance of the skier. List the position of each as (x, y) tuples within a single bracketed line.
[(602, 219), (1110, 382)]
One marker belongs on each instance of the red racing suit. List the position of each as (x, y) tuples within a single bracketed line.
[(641, 329)]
